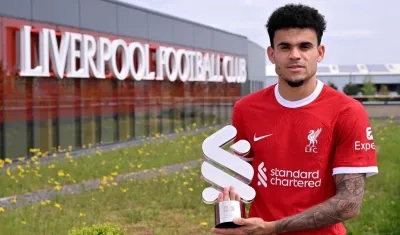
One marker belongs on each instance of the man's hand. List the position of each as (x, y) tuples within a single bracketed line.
[(250, 226)]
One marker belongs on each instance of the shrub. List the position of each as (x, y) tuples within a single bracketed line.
[(331, 84), (351, 89), (384, 90), (98, 229), (369, 87)]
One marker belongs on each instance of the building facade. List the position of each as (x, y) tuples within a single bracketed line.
[(81, 73), (340, 75)]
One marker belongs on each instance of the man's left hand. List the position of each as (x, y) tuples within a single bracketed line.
[(250, 226)]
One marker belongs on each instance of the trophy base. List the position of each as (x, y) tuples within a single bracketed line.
[(227, 225), (226, 211)]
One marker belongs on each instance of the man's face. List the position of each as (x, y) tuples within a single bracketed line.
[(295, 55)]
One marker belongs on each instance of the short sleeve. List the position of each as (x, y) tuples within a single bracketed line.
[(238, 123), (355, 149)]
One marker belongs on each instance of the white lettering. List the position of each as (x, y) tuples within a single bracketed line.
[(122, 59), (88, 53), (73, 54), (295, 178), (368, 133), (25, 53), (184, 60), (140, 71), (103, 55), (359, 146), (119, 45)]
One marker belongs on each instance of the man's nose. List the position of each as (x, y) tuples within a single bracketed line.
[(294, 54)]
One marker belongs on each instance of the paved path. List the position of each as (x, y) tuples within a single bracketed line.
[(38, 196), (106, 147)]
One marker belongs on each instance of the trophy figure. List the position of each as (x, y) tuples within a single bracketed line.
[(217, 158)]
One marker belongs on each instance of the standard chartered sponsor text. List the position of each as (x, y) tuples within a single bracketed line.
[(294, 178)]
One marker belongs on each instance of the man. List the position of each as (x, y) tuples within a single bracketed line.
[(312, 146)]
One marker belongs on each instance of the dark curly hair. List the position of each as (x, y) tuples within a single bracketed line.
[(296, 16)]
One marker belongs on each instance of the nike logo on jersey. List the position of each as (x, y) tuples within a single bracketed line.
[(260, 137)]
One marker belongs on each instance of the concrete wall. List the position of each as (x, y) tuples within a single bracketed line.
[(383, 111), (126, 20), (256, 60)]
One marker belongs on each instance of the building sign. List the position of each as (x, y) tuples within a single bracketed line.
[(96, 53)]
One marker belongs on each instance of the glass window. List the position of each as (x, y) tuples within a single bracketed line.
[(125, 107), (66, 114), (15, 116), (154, 94), (167, 108), (106, 95), (140, 110), (89, 102)]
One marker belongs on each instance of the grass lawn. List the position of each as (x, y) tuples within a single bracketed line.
[(68, 170), (171, 204)]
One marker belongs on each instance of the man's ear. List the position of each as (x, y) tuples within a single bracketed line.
[(270, 53), (321, 53)]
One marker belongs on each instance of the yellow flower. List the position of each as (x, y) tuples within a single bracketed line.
[(2, 209), (58, 206), (60, 173), (203, 223)]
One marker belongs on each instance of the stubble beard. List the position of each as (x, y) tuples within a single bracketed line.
[(296, 83), (292, 83)]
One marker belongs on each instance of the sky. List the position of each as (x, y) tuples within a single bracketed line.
[(358, 31)]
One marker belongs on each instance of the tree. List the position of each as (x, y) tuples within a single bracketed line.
[(351, 89), (398, 89), (368, 87)]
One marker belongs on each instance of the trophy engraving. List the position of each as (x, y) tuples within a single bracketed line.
[(216, 158)]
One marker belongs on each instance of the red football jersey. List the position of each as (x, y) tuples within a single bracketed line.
[(297, 147)]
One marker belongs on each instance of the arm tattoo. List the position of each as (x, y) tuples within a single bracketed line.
[(344, 205)]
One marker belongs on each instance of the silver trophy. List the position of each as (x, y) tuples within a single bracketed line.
[(221, 169)]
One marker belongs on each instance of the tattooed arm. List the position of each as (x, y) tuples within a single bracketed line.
[(343, 206)]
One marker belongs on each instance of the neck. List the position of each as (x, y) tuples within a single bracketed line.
[(297, 93)]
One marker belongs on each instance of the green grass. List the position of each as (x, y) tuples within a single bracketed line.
[(171, 204), (68, 170), (381, 210)]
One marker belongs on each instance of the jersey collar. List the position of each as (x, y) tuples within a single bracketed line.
[(299, 103)]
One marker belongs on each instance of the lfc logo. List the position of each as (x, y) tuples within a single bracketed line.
[(312, 138)]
